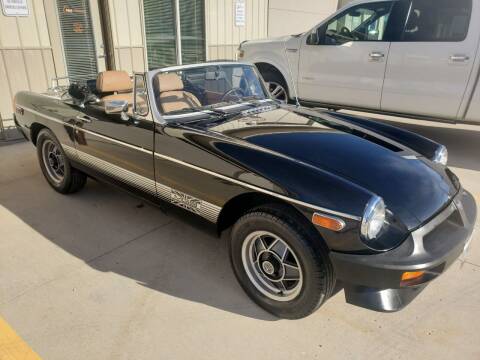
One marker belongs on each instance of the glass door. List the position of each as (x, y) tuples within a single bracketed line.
[(174, 32)]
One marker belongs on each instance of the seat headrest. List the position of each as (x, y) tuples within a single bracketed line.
[(113, 81), (168, 82)]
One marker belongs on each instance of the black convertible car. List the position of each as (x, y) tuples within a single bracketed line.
[(310, 198)]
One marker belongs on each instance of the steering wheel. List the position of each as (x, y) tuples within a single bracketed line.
[(344, 31), (233, 92)]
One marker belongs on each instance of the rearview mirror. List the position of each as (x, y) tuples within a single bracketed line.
[(116, 106)]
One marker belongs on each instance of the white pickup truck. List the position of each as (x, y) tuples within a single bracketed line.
[(410, 58)]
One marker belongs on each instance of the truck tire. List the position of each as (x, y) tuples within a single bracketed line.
[(276, 86), (55, 166), (281, 264)]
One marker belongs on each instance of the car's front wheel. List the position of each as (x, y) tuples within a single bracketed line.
[(55, 165), (281, 264)]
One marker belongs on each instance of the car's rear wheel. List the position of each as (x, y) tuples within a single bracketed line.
[(281, 264), (55, 165)]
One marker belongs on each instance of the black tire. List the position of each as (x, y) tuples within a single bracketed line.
[(273, 77), (312, 253), (73, 180)]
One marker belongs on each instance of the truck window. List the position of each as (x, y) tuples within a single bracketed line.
[(438, 20), (366, 22)]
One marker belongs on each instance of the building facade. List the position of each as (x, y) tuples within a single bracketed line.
[(42, 40)]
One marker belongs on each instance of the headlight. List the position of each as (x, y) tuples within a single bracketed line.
[(373, 219), (441, 156)]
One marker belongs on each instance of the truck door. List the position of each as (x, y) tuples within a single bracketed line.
[(431, 61), (343, 61)]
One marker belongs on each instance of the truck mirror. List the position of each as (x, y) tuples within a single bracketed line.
[(312, 39)]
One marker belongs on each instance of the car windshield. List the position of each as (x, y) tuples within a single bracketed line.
[(189, 90)]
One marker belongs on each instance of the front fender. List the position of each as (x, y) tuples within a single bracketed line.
[(315, 188), (300, 181)]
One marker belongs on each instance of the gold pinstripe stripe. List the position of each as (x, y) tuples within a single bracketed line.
[(203, 208)]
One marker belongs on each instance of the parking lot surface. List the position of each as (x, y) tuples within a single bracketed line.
[(103, 275)]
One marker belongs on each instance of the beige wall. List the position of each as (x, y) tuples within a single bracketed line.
[(222, 36), (288, 17), (127, 27), (26, 55), (342, 3), (31, 51)]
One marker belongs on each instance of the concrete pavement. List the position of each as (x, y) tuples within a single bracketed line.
[(103, 275)]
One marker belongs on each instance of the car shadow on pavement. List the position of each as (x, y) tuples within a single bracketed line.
[(165, 249), (463, 144)]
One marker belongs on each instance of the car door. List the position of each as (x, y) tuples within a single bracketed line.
[(430, 63), (117, 143), (343, 61)]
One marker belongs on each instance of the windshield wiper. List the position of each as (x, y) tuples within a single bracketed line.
[(219, 114), (215, 111)]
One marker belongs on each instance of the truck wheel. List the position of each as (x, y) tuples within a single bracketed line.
[(283, 266), (276, 86), (55, 165)]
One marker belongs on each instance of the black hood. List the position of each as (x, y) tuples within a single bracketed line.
[(413, 188)]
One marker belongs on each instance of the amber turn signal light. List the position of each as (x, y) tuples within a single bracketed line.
[(412, 275), (328, 222)]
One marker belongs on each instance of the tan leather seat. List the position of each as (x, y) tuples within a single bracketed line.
[(116, 82), (170, 94)]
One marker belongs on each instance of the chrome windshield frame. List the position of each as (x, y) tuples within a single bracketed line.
[(162, 119)]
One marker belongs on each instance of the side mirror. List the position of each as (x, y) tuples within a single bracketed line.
[(312, 39), (116, 106)]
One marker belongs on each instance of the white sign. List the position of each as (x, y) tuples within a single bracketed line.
[(240, 12), (15, 7)]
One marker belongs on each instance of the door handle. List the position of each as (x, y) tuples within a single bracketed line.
[(376, 55), (459, 58), (85, 118)]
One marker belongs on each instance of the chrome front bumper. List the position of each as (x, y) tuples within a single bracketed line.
[(375, 281)]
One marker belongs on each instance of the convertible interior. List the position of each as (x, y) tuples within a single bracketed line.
[(170, 92), (115, 85), (180, 90), (171, 95), (204, 86)]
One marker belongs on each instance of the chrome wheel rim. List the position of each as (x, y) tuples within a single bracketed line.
[(272, 266), (54, 161), (277, 91)]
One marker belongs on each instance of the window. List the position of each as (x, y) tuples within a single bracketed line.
[(192, 23), (438, 20), (78, 39), (366, 22), (164, 38), (160, 32), (140, 96)]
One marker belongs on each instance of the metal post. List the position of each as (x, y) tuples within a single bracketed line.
[(108, 46), (178, 36), (3, 135)]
